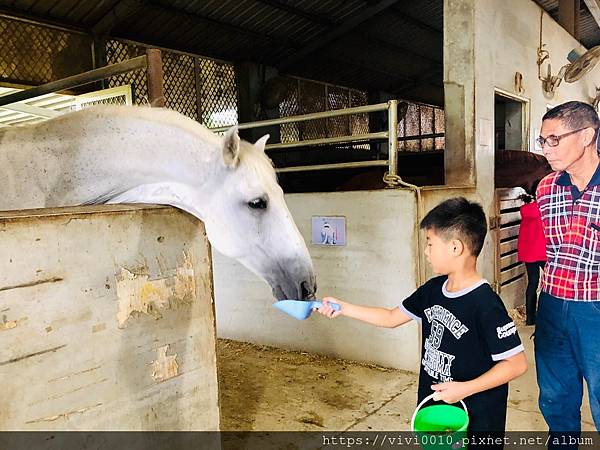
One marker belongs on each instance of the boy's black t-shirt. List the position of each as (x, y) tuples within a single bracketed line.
[(464, 335)]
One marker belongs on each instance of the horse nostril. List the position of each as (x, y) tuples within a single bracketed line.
[(306, 292)]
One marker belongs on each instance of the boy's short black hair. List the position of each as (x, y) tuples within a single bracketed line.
[(458, 218)]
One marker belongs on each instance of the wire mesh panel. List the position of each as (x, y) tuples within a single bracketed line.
[(33, 54), (290, 107), (359, 123), (426, 126), (218, 93), (180, 83), (120, 95), (312, 99), (116, 52), (338, 98), (305, 96), (190, 84), (421, 120), (439, 126), (412, 127)]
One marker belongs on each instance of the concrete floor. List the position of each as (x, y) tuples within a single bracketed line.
[(267, 389)]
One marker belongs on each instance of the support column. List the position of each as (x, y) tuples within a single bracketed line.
[(156, 95), (459, 92)]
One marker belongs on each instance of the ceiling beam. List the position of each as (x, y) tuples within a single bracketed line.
[(416, 22), (568, 16), (394, 47), (199, 19), (337, 32), (417, 81), (594, 7), (298, 12), (119, 13)]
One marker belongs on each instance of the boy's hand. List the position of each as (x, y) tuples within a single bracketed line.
[(452, 391), (327, 310)]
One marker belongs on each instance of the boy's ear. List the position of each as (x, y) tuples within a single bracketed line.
[(457, 246)]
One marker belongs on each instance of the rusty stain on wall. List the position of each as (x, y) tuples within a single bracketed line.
[(137, 294), (10, 324), (98, 327), (165, 366)]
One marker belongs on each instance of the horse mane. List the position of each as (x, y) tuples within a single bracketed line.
[(160, 115), (254, 159)]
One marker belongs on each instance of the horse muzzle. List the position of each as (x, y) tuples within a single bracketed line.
[(298, 283)]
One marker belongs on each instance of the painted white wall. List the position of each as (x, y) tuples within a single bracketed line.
[(377, 267), (507, 35)]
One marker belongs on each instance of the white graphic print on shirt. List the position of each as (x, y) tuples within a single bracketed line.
[(506, 330), (435, 362)]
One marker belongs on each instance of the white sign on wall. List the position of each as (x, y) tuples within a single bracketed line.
[(329, 230)]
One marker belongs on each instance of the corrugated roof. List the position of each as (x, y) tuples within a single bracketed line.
[(366, 44), (373, 45), (589, 32)]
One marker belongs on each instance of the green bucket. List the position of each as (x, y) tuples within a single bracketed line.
[(440, 427)]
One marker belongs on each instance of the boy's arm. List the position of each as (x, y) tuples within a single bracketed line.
[(503, 371), (381, 317)]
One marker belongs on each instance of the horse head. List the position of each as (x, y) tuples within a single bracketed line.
[(250, 222)]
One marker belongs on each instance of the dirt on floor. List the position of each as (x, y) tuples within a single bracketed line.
[(265, 388), (268, 389)]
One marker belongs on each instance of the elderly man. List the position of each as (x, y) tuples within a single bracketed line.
[(568, 323)]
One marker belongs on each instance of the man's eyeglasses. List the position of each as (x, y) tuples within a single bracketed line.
[(553, 141)]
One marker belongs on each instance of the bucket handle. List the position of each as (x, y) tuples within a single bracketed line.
[(425, 400)]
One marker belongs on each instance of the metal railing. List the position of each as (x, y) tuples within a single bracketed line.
[(391, 135), (150, 61)]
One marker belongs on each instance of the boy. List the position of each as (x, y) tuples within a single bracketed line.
[(470, 347)]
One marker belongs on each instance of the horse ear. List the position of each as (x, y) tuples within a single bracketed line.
[(231, 148), (260, 144)]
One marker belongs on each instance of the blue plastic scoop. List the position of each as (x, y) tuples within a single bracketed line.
[(300, 309)]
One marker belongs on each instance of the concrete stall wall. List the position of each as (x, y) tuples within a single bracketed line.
[(378, 267), (106, 320)]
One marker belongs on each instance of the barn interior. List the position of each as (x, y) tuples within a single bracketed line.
[(469, 81)]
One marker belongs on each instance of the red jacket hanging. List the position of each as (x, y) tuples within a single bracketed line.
[(531, 245)]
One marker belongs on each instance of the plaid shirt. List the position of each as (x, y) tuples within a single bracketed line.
[(571, 222)]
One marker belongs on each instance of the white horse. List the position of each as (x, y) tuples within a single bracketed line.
[(147, 155)]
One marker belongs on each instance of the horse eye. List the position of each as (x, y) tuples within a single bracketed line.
[(258, 203)]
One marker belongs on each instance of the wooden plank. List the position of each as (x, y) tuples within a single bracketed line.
[(507, 232), (514, 216), (506, 275), (509, 260), (513, 293), (508, 193), (508, 246), (510, 204)]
